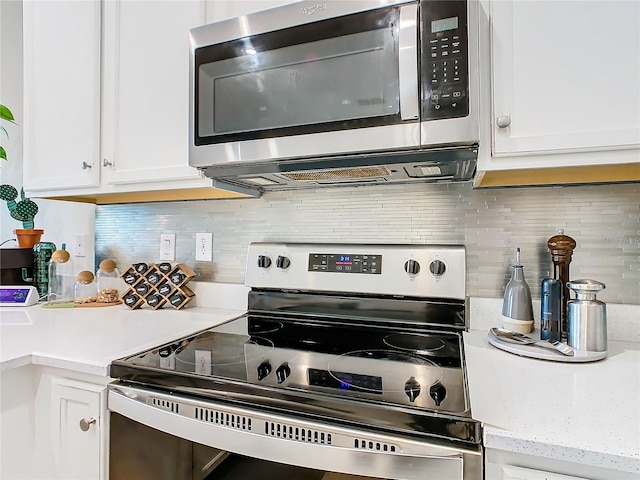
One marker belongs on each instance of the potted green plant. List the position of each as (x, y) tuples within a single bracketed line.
[(24, 211), (5, 114)]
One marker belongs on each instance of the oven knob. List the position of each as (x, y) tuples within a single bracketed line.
[(438, 392), (264, 369), (283, 262), (264, 261), (282, 372), (437, 268), (411, 267), (412, 389)]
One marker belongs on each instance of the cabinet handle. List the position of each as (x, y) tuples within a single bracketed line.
[(85, 424), (106, 163), (503, 121), (86, 165)]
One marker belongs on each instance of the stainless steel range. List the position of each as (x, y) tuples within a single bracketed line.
[(349, 361)]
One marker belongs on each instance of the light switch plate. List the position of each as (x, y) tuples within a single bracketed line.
[(168, 246)]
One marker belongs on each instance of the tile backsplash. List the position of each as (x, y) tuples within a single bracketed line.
[(603, 219)]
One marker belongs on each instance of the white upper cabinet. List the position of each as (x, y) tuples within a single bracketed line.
[(146, 94), (61, 94), (565, 75), (564, 92), (107, 100)]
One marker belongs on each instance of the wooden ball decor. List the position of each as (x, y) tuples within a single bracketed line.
[(157, 285)]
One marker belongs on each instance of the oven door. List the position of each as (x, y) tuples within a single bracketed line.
[(302, 81), (315, 448)]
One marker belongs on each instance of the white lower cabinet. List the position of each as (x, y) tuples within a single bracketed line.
[(77, 420), (508, 472), (71, 427), (506, 465)]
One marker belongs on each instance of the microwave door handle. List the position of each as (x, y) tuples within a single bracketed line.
[(408, 62)]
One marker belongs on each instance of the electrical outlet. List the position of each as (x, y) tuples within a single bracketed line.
[(203, 362), (204, 247), (168, 246), (81, 245)]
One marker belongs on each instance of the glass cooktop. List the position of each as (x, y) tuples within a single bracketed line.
[(415, 368)]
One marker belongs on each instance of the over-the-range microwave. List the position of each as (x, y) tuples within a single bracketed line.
[(342, 92)]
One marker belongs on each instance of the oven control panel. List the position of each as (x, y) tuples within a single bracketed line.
[(403, 270), (345, 263)]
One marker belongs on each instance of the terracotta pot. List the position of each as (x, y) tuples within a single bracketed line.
[(27, 238)]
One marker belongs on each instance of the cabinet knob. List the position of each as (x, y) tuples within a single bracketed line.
[(85, 424), (503, 121), (86, 165), (106, 163)]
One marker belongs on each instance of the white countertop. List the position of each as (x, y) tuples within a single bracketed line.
[(587, 413), (88, 339)]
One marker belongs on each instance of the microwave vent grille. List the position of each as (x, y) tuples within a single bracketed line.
[(338, 174)]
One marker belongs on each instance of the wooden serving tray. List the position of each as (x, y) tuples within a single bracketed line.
[(96, 304)]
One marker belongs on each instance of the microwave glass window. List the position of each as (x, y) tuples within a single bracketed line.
[(340, 76)]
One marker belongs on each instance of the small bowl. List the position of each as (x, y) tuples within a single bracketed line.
[(520, 326)]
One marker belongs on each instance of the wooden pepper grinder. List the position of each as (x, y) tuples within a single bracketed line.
[(561, 248)]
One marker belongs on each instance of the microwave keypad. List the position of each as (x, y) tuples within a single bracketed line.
[(448, 81), (445, 53)]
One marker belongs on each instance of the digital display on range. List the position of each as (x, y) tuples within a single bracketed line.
[(345, 263), (349, 381)]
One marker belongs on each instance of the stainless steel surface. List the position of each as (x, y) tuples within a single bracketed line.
[(286, 439), (408, 67), (457, 131), (349, 360), (587, 317), (393, 279), (85, 424), (278, 18), (519, 338), (442, 150), (503, 121), (139, 452)]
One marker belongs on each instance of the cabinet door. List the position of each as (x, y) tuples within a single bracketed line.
[(77, 429), (146, 90), (565, 75), (518, 473), (61, 94)]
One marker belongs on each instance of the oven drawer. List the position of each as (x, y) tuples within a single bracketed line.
[(291, 441)]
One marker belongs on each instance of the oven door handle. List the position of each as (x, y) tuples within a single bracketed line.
[(408, 62)]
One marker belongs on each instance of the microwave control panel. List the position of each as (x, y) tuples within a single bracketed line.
[(445, 59)]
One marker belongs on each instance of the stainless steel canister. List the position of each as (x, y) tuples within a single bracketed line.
[(587, 317)]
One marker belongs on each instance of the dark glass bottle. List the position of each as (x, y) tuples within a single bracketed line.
[(561, 249)]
